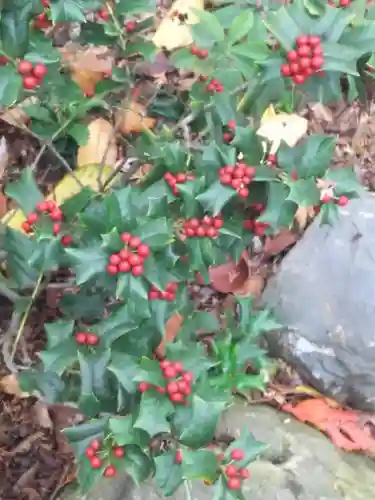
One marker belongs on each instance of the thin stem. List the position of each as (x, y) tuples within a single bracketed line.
[(26, 315), (117, 24), (187, 490)]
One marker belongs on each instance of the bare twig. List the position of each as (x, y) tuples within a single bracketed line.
[(129, 167)]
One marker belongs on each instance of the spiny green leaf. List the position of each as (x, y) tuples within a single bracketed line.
[(25, 191), (154, 409)]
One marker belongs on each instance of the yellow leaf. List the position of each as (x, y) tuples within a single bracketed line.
[(101, 134), (172, 33), (282, 127), (134, 119)]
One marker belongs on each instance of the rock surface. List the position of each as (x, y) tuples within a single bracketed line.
[(299, 464), (324, 293)]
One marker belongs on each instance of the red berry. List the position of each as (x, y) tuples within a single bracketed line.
[(118, 451), (194, 50), (231, 470), (190, 232), (130, 26), (236, 183), (56, 228), (32, 218), (172, 287), (210, 87), (292, 56), (137, 271), (45, 3), (96, 462), (219, 88), (125, 254), (303, 51), (229, 169), (317, 62), (178, 457), (169, 372), (153, 295), (172, 387), (143, 250), (200, 232), (294, 68), (244, 473), (184, 387), (112, 270), (194, 223), (66, 240), (51, 205), (165, 363), (143, 386), (178, 366), (211, 232), (42, 206), (92, 339), (226, 179), (177, 397), (305, 62), (207, 220), (218, 223), (188, 377), (243, 192), (168, 296), (342, 201), (160, 389), (114, 259), (125, 237), (231, 124), (89, 452), (285, 70), (135, 260), (180, 177), (314, 40), (24, 67), (237, 454), (308, 71), (234, 483), (81, 338), (298, 79), (239, 172), (134, 242), (203, 54), (317, 51), (250, 171), (95, 444), (302, 40), (110, 471), (56, 215), (40, 71), (30, 82), (227, 137)]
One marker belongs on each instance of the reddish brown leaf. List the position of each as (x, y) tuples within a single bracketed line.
[(278, 243), (347, 429), (172, 327)]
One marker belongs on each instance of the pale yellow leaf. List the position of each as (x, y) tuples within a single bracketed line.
[(9, 384), (289, 128), (133, 118), (172, 33), (101, 142)]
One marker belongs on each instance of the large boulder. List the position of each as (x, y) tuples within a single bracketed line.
[(324, 294), (300, 463)]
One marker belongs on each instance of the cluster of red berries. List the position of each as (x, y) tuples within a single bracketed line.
[(238, 177), (41, 21), (32, 76), (200, 228), (169, 294), (258, 228), (179, 383), (102, 14), (179, 178), (235, 474), (129, 258), (200, 53), (130, 26), (96, 462), (86, 338), (214, 86), (45, 3), (342, 3), (56, 215), (305, 60), (228, 134), (341, 201)]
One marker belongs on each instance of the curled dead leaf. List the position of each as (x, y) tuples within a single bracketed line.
[(133, 118), (16, 116), (9, 384), (279, 242), (87, 80), (101, 142), (172, 327)]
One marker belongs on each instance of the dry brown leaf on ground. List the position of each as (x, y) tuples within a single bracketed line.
[(279, 242), (303, 216), (172, 33), (289, 128), (133, 118), (172, 327), (16, 116), (101, 142), (10, 385)]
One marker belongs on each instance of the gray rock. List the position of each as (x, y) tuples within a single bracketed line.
[(300, 463), (324, 293)]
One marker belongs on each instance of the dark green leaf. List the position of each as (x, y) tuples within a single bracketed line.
[(125, 368), (240, 26), (58, 332), (67, 10), (156, 233), (345, 179), (57, 359), (14, 32), (208, 30), (216, 196), (25, 191), (168, 475), (251, 447), (88, 262), (93, 366), (304, 192), (136, 463), (127, 7), (10, 85), (200, 464), (283, 27), (79, 133), (153, 412), (20, 248), (125, 433)]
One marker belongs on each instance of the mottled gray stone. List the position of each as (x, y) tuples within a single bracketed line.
[(300, 463), (324, 293)]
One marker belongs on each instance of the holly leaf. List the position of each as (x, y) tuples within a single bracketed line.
[(192, 355), (67, 10), (125, 433), (208, 30), (250, 446), (150, 372), (154, 409), (247, 141), (80, 436), (136, 463), (240, 26), (200, 464), (58, 332), (304, 192), (10, 85), (125, 368), (20, 249), (345, 180), (88, 262), (156, 233), (60, 357), (216, 196), (14, 31), (93, 367), (25, 191), (136, 6), (168, 474), (284, 27)]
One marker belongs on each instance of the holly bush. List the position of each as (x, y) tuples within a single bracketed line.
[(130, 248)]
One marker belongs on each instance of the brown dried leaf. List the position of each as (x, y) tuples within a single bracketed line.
[(4, 156), (172, 327), (9, 384), (134, 119), (279, 242), (101, 133), (253, 286), (16, 116), (303, 215)]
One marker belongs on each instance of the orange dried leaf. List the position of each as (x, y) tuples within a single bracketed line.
[(133, 118), (172, 327)]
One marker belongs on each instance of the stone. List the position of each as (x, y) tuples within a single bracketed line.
[(300, 463), (324, 294)]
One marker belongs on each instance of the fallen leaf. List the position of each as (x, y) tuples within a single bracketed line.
[(303, 215), (9, 384), (101, 142), (133, 118), (282, 127), (347, 429), (172, 33), (4, 156), (16, 116), (172, 327), (276, 244)]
